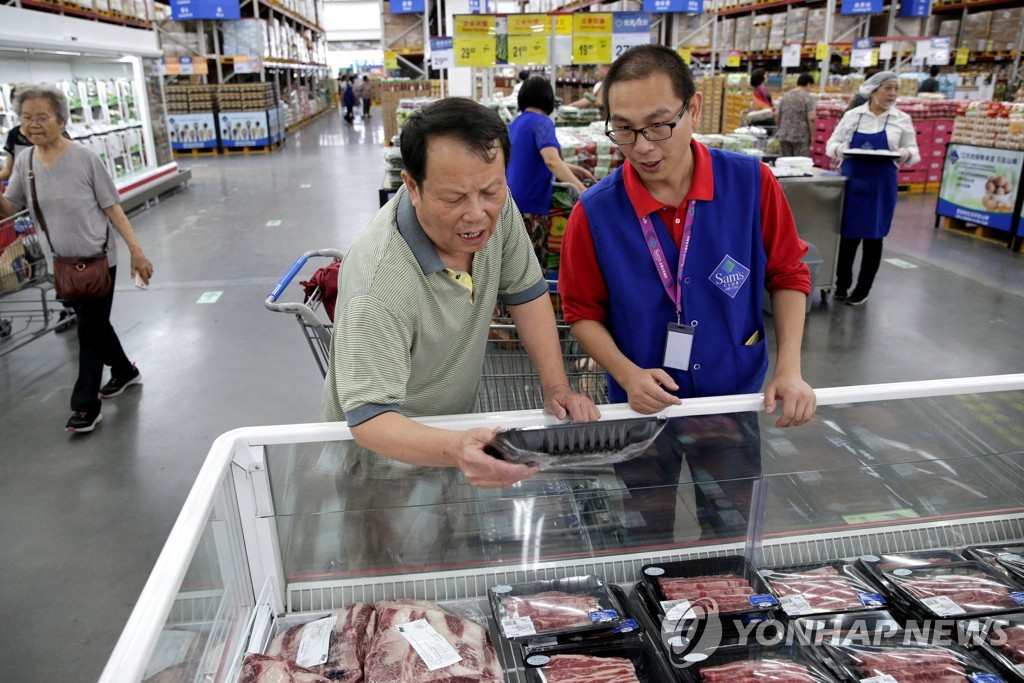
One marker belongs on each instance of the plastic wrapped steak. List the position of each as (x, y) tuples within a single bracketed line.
[(1012, 646), (729, 591), (824, 589), (758, 671), (349, 642), (972, 592), (392, 658), (553, 610), (587, 669), (257, 668), (931, 665)]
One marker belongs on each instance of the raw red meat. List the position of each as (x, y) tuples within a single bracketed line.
[(349, 643), (825, 589), (587, 669), (553, 610), (1014, 645), (909, 665), (257, 668), (392, 660), (756, 671), (974, 592), (729, 591)]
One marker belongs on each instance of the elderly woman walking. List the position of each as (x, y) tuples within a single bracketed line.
[(70, 192)]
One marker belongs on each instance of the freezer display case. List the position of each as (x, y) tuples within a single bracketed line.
[(289, 525)]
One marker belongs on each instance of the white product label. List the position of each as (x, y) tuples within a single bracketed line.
[(502, 589), (514, 627), (538, 660), (766, 573), (871, 558), (435, 651), (654, 571), (677, 610), (884, 678), (316, 642), (901, 572), (694, 657), (1009, 557), (943, 606), (1019, 668), (795, 605)]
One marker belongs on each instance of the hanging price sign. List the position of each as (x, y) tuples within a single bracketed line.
[(170, 66), (592, 22), (592, 49), (529, 24), (733, 59), (687, 54), (474, 25), (629, 29), (390, 60), (474, 51), (821, 51), (963, 55), (846, 60), (527, 50)]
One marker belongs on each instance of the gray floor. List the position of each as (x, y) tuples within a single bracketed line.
[(82, 518)]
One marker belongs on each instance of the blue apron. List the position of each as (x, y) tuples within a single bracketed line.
[(870, 188)]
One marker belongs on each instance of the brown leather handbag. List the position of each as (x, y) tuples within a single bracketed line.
[(74, 277)]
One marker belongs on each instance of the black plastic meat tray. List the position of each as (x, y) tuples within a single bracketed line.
[(694, 671), (629, 627), (1008, 558), (712, 566), (579, 444), (650, 667), (996, 630), (606, 618), (899, 578), (867, 593), (876, 565)]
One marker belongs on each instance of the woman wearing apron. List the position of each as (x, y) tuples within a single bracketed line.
[(875, 126)]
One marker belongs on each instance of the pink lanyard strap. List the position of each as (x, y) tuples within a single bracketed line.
[(673, 287)]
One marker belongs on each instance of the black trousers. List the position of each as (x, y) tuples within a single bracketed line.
[(367, 102), (869, 262), (98, 345)]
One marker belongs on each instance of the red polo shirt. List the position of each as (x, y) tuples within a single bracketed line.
[(782, 245)]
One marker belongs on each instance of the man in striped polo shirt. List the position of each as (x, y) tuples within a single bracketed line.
[(416, 296)]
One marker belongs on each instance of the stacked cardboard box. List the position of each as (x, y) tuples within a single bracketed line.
[(975, 33), (246, 97), (816, 24), (744, 26), (727, 33), (1004, 29), (796, 24), (759, 30), (695, 30), (399, 31), (777, 33)]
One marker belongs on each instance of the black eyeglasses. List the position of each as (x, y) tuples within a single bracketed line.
[(653, 132)]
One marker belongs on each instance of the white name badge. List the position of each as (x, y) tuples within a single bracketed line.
[(678, 344)]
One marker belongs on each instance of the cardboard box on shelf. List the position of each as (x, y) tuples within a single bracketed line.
[(949, 27), (976, 29), (694, 30), (1004, 28)]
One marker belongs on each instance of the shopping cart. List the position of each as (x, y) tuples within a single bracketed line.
[(27, 309), (508, 380), (313, 319)]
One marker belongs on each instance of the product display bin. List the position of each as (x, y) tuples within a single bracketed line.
[(283, 524)]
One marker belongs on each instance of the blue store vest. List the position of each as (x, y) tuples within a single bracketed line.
[(725, 316)]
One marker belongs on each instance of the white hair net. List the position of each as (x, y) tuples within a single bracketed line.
[(876, 81)]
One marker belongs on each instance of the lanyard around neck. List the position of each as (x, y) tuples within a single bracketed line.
[(673, 286)]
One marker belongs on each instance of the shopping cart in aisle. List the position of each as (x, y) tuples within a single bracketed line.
[(508, 380), (314, 320), (27, 308)]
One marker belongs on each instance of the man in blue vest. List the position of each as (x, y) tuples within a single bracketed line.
[(665, 261)]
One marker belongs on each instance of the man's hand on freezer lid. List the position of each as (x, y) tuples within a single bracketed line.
[(564, 403)]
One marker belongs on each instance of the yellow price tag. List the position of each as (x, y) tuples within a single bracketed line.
[(687, 54), (200, 67), (963, 55), (733, 59), (592, 49), (846, 60), (475, 25), (563, 24), (527, 50), (874, 57), (390, 60), (592, 22), (529, 24), (171, 66), (821, 51), (474, 51)]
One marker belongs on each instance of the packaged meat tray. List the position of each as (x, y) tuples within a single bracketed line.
[(634, 662), (1008, 559), (960, 589), (875, 566), (853, 628), (1002, 641), (689, 589), (627, 630), (757, 664), (909, 663), (558, 607), (576, 445), (822, 588)]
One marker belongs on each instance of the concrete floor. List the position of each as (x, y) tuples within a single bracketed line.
[(82, 518)]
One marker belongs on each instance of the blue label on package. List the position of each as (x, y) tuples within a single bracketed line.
[(763, 600), (601, 616), (627, 626), (185, 10), (985, 678), (684, 6), (1017, 598), (871, 599), (730, 276), (915, 8), (753, 618), (406, 6)]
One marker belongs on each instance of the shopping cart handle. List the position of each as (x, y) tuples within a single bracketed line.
[(287, 278)]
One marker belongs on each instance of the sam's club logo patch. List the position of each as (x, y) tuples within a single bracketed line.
[(730, 276)]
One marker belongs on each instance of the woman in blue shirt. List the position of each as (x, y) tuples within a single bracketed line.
[(536, 157)]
